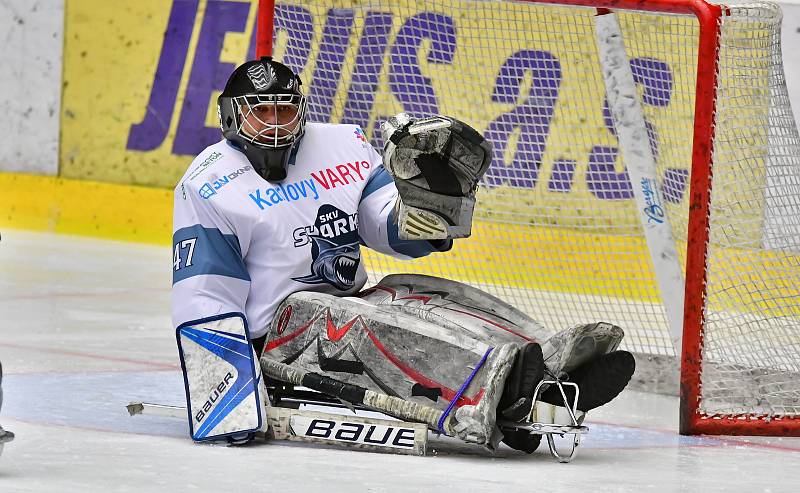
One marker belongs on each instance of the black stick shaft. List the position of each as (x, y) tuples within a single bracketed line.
[(393, 406)]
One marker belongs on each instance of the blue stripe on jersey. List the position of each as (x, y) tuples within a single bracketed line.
[(201, 251), (377, 180), (410, 248)]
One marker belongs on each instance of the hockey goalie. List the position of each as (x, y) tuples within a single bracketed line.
[(268, 228)]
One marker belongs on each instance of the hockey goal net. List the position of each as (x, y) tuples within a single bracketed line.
[(559, 230)]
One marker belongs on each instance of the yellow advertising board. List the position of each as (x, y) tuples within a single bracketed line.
[(141, 81), (127, 67)]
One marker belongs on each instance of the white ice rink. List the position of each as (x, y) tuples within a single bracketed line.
[(85, 329)]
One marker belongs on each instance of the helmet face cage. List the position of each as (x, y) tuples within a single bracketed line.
[(270, 121)]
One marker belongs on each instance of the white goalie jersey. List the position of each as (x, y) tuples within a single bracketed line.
[(243, 244)]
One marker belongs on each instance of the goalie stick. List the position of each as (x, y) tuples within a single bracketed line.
[(641, 166), (390, 405)]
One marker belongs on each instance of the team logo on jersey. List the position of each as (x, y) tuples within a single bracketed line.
[(210, 188), (334, 248), (360, 135), (207, 191)]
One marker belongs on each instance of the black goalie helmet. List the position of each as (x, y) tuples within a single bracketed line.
[(263, 111)]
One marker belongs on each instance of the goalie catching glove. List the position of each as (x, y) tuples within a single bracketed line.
[(436, 164)]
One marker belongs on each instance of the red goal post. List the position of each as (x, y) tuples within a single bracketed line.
[(733, 219)]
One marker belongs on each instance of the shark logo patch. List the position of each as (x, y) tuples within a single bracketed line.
[(334, 248)]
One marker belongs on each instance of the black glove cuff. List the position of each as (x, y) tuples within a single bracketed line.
[(442, 245)]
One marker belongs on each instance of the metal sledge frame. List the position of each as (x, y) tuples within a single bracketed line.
[(574, 427), (291, 398), (434, 418), (287, 422)]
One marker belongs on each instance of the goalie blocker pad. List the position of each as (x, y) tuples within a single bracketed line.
[(436, 164), (224, 392)]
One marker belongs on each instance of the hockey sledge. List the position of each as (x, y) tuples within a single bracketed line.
[(286, 421)]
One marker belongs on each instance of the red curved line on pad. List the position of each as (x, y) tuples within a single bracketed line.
[(336, 333), (447, 393), (288, 337), (492, 323)]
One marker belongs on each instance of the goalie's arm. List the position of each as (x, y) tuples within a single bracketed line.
[(224, 391), (209, 276), (377, 221)]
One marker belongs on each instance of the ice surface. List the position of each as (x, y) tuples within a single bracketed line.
[(85, 329)]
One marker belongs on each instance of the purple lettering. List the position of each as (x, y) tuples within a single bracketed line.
[(298, 24), (412, 89), (151, 131), (332, 50), (208, 74), (561, 179), (602, 179), (532, 117), (369, 60), (675, 184), (656, 77)]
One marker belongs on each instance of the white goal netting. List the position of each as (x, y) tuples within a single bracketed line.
[(557, 233)]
